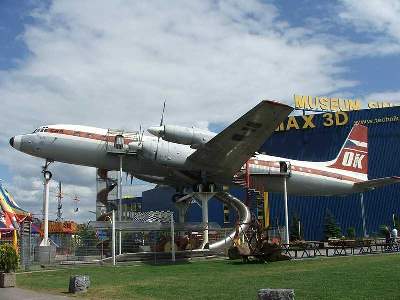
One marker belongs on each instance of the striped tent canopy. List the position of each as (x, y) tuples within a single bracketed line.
[(5, 222), (10, 213)]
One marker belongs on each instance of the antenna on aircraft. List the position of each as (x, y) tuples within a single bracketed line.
[(161, 124)]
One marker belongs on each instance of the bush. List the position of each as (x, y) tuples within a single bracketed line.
[(331, 228), (294, 232), (8, 258), (384, 230), (351, 233)]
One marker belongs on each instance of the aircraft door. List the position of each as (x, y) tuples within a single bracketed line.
[(285, 168)]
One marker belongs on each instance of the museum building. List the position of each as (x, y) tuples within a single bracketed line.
[(318, 137)]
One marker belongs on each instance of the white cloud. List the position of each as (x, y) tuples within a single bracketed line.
[(112, 63), (389, 97), (374, 16)]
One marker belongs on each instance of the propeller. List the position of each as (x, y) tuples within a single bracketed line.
[(141, 132), (131, 178), (161, 124)]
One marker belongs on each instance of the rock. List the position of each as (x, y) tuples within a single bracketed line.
[(233, 253), (78, 283), (276, 294), (7, 280)]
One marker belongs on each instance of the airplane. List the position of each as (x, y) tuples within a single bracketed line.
[(192, 159)]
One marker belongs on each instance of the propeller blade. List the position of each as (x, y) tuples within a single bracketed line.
[(156, 153), (141, 137), (161, 124), (162, 115)]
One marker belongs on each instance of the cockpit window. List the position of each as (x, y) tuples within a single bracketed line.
[(41, 129)]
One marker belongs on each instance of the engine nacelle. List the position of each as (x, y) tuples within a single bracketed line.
[(135, 146), (194, 137)]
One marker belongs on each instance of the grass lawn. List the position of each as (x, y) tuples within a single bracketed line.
[(357, 277)]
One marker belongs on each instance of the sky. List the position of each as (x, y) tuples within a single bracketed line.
[(111, 64)]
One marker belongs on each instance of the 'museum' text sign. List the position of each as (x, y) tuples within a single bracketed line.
[(335, 104)]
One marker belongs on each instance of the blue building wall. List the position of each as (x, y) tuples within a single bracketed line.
[(323, 143), (320, 144), (161, 199)]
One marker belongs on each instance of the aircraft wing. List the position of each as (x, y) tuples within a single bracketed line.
[(227, 152), (374, 183)]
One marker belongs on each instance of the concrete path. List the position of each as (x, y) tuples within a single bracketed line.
[(20, 294)]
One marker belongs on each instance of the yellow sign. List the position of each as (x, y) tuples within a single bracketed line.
[(334, 103), (329, 119)]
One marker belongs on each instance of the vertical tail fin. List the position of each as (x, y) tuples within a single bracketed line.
[(353, 156)]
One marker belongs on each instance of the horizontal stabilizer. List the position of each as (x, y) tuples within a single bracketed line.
[(374, 183)]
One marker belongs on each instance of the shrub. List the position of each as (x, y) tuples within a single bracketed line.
[(331, 228), (8, 258), (294, 232), (384, 230), (351, 233)]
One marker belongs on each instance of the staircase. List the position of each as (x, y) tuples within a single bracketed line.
[(254, 192)]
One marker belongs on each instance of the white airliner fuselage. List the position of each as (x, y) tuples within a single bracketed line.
[(93, 147), (188, 157)]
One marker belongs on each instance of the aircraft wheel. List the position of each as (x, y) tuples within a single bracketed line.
[(199, 187), (211, 187)]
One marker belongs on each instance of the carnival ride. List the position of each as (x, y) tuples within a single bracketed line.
[(11, 216)]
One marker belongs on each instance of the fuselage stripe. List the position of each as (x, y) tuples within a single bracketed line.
[(306, 170), (252, 163)]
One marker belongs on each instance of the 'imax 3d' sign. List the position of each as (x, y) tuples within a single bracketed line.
[(335, 104), (328, 119)]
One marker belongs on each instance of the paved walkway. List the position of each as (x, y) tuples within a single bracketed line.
[(20, 294)]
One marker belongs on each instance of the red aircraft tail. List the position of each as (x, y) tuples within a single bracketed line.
[(353, 156)]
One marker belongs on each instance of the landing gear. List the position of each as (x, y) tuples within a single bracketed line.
[(204, 188), (46, 180), (176, 197), (182, 202)]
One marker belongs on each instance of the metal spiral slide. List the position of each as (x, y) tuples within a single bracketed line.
[(244, 218)]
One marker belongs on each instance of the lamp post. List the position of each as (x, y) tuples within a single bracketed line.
[(47, 177), (113, 236), (120, 203), (285, 198)]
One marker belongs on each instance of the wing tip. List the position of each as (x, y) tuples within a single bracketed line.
[(278, 103)]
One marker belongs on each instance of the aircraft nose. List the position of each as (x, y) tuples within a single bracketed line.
[(15, 142)]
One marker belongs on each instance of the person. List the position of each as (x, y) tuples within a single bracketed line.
[(394, 234), (387, 235)]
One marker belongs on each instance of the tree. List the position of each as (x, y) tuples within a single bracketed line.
[(397, 222), (86, 241), (294, 233), (331, 228), (8, 258), (351, 233)]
